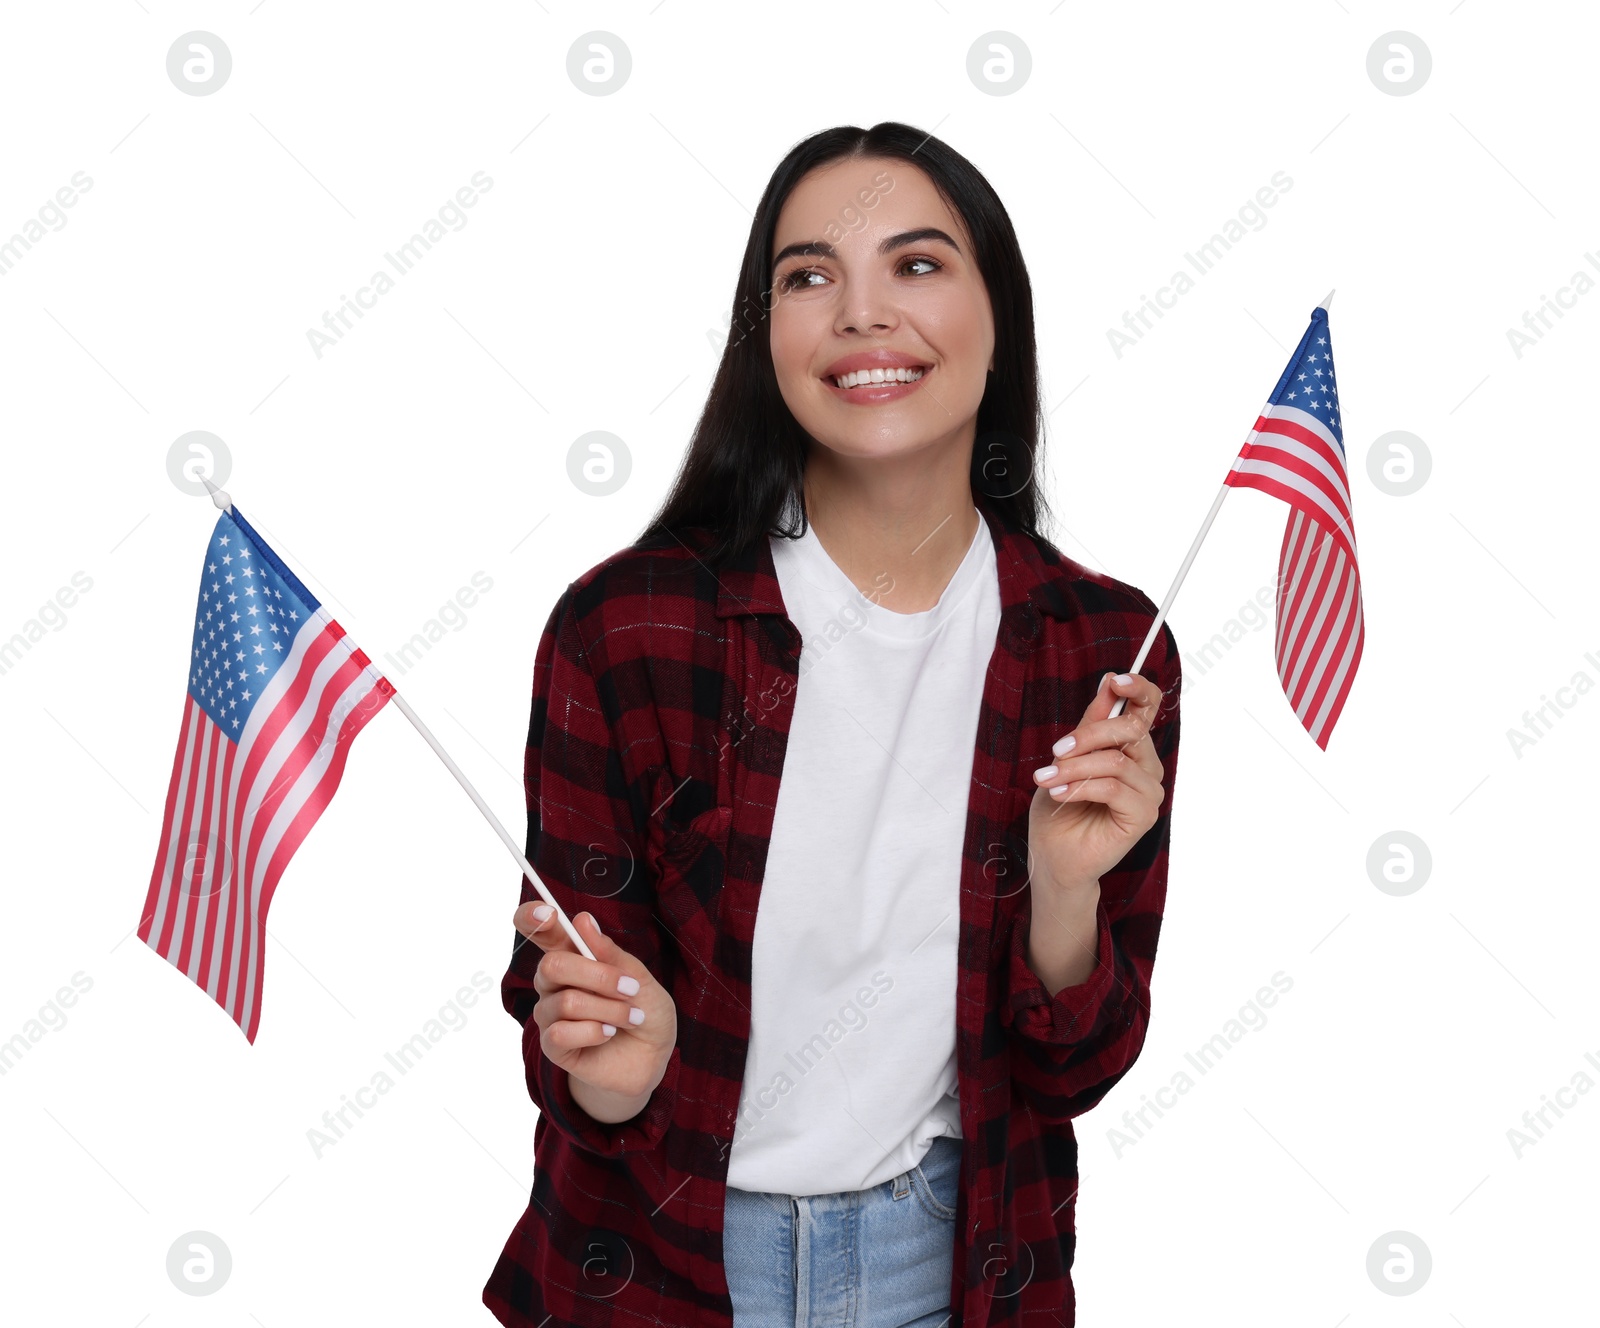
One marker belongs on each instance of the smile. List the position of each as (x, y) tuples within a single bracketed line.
[(871, 387), (863, 376)]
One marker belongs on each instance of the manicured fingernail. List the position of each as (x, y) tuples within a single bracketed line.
[(628, 986), (1124, 678), (1045, 772), (1059, 788), (635, 1015), (542, 913), (608, 1029), (1065, 745)]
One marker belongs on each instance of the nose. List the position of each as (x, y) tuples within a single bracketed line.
[(866, 307)]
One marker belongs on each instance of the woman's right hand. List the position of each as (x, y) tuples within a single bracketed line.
[(579, 997)]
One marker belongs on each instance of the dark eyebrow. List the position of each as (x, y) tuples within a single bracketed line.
[(822, 249)]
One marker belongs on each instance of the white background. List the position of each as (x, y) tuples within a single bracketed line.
[(433, 438)]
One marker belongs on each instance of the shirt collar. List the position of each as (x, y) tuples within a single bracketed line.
[(1030, 580)]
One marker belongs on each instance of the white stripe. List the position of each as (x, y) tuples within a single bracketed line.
[(1306, 420), (209, 737), (291, 806), (218, 855), (1337, 685), (1321, 603), (266, 703), (1305, 596), (196, 716), (269, 779), (266, 782), (273, 693), (1298, 549), (1340, 614), (1311, 456), (1340, 583), (1317, 501)]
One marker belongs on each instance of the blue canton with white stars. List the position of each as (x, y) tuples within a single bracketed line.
[(1308, 382), (250, 609)]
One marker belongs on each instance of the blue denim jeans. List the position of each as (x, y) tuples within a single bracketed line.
[(875, 1258)]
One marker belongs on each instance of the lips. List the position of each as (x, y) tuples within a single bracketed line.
[(876, 378), (874, 367), (861, 378)]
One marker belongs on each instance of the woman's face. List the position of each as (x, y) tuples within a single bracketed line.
[(873, 271)]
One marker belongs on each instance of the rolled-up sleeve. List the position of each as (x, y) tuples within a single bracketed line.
[(1068, 1050), (586, 840)]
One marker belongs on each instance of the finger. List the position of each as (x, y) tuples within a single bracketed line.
[(634, 980), (611, 973), (1099, 708), (545, 932), (1143, 698), (1104, 698), (1127, 806), (1142, 695), (1098, 729), (571, 1003), (1126, 743), (568, 1035), (549, 935), (1108, 763)]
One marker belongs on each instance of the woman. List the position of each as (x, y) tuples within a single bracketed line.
[(841, 675)]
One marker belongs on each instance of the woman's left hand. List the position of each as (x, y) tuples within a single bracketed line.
[(1113, 787)]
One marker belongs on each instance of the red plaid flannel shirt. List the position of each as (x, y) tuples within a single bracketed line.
[(661, 707)]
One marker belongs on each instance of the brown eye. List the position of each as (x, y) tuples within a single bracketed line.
[(918, 258), (795, 276)]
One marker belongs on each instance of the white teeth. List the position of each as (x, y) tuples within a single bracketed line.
[(877, 376)]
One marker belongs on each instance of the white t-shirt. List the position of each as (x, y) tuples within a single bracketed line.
[(851, 1070)]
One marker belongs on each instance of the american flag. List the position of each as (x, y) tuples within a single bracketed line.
[(277, 692), (1296, 453)]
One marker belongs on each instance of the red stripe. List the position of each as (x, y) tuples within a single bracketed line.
[(307, 817), (1294, 429), (186, 900), (1285, 428), (1297, 533), (320, 796), (153, 894), (1349, 585), (222, 888), (1328, 602), (289, 770), (1269, 454), (216, 965), (261, 744), (251, 911), (173, 883), (295, 691), (1306, 599), (1337, 707), (1295, 499), (1333, 638)]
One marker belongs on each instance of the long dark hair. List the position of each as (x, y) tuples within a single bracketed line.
[(741, 478)]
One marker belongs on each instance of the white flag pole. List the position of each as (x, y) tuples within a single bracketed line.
[(1172, 594), (221, 499), (492, 819), (1177, 581)]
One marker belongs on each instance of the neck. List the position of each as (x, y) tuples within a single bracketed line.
[(898, 528)]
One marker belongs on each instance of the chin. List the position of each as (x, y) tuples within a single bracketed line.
[(879, 442)]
